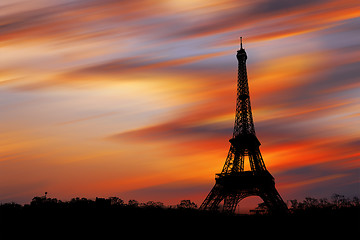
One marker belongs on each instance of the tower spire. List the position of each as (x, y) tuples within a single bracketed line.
[(241, 43)]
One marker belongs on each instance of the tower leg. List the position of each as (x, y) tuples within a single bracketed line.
[(213, 199), (232, 200), (230, 203), (273, 200)]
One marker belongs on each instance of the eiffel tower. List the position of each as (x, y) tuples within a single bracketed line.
[(234, 183)]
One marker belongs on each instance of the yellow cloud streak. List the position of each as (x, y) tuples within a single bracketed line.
[(311, 181)]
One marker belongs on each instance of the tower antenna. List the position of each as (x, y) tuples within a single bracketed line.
[(241, 43)]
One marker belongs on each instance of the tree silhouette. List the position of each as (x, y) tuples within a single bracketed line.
[(115, 201), (133, 203), (186, 204), (152, 204)]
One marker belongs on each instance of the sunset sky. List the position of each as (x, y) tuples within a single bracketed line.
[(136, 99)]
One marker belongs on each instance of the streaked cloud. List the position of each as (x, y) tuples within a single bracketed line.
[(137, 98)]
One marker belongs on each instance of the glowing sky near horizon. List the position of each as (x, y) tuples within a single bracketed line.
[(136, 99)]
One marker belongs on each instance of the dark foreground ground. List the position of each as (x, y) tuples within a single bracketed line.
[(102, 219)]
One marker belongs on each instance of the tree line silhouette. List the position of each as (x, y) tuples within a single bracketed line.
[(336, 204), (83, 203), (312, 214)]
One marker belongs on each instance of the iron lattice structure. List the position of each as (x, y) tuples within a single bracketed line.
[(234, 183)]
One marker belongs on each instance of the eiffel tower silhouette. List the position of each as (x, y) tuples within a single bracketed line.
[(234, 183)]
